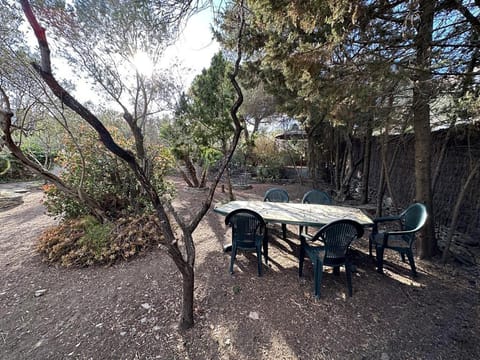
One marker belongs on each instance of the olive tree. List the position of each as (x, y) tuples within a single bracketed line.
[(178, 244)]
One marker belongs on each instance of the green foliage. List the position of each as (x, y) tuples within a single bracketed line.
[(271, 171), (5, 165), (84, 241), (104, 177), (13, 170), (202, 125), (96, 236), (269, 159), (210, 99), (210, 155), (212, 96), (58, 204), (38, 153)]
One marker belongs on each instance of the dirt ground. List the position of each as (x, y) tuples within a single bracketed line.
[(130, 310)]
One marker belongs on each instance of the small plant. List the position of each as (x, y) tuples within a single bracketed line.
[(96, 237)]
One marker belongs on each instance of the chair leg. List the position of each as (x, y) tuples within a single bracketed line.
[(370, 242), (265, 251), (318, 273), (284, 231), (403, 256), (336, 270), (259, 260), (301, 258), (232, 257), (300, 230), (348, 272), (412, 263), (379, 251)]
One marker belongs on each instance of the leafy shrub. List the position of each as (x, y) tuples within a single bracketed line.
[(59, 204), (5, 165), (96, 236), (269, 159), (104, 177), (12, 169), (268, 172), (84, 241)]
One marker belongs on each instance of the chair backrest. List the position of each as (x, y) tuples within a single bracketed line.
[(316, 197), (337, 237), (414, 217), (248, 227), (276, 195)]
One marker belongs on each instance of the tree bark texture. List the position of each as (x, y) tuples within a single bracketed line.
[(188, 283), (165, 227), (421, 124), (367, 149)]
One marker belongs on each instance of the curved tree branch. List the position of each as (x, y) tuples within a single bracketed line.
[(5, 125), (237, 125)]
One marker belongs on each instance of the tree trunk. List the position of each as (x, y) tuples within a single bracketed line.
[(383, 172), (185, 177), (348, 168), (367, 149), (188, 277), (421, 124), (203, 181), (387, 169), (313, 127), (230, 186), (338, 165), (380, 192), (192, 173), (312, 158)]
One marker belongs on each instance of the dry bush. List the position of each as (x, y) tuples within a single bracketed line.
[(85, 242)]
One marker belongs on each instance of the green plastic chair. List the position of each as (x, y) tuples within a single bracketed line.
[(278, 195), (249, 232), (329, 247), (314, 197), (409, 222)]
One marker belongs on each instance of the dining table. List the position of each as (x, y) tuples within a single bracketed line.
[(314, 215), (297, 213)]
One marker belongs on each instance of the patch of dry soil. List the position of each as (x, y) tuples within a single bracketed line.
[(130, 310)]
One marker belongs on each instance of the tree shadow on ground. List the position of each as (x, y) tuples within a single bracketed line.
[(277, 316)]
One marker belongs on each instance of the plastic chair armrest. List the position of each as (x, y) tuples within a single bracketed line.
[(387, 234), (400, 232), (305, 236), (385, 219)]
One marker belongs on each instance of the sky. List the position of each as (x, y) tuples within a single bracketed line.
[(195, 47), (192, 51)]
